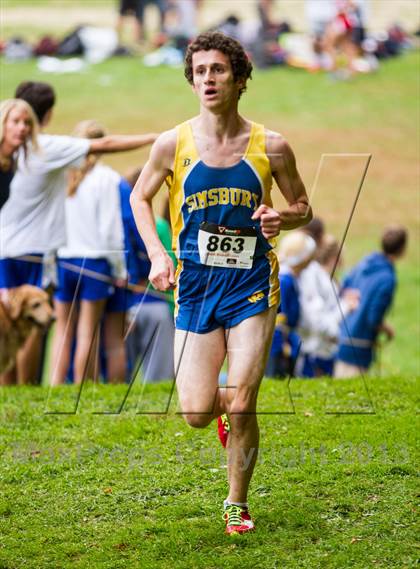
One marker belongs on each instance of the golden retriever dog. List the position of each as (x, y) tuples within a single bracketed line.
[(23, 309)]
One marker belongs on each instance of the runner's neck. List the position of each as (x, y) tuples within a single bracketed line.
[(221, 127)]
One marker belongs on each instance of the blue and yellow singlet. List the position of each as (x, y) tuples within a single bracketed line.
[(224, 196)]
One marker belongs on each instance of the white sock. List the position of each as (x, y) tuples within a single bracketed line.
[(227, 503)]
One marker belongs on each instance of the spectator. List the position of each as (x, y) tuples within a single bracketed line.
[(344, 35), (136, 8), (128, 8), (296, 251), (114, 348), (319, 13), (114, 363), (270, 28), (181, 18), (152, 327), (94, 246), (33, 220), (18, 127), (375, 279), (265, 49), (321, 316), (311, 281), (316, 230)]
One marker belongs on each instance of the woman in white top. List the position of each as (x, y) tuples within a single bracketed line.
[(32, 220), (90, 262)]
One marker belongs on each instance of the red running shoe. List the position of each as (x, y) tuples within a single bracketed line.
[(223, 428), (238, 520)]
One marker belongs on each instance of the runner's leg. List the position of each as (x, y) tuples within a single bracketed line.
[(198, 360), (248, 345)]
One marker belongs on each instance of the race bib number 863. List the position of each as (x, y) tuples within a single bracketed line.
[(231, 247)]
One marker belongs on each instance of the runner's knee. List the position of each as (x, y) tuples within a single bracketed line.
[(198, 420), (241, 400)]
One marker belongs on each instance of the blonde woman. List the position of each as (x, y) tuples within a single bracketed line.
[(33, 219), (89, 263), (18, 126)]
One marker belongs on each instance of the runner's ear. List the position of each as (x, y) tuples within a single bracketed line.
[(241, 83)]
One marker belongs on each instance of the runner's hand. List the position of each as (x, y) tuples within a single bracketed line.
[(162, 273), (269, 219)]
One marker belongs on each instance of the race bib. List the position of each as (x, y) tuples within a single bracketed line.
[(230, 247)]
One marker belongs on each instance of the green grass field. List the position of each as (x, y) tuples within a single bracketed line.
[(145, 491), (331, 490)]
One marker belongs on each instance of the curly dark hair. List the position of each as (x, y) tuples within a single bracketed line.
[(241, 65)]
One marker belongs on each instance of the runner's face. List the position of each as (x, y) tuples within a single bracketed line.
[(213, 80), (17, 128)]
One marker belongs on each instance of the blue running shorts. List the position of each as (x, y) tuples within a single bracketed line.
[(120, 301), (73, 285), (17, 271), (207, 298)]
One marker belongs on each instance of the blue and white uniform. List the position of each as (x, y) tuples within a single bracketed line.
[(227, 270), (136, 259), (94, 251), (32, 221)]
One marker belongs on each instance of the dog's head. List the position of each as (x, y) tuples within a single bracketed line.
[(31, 304)]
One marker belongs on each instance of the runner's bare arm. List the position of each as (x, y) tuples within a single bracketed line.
[(121, 142), (285, 173), (162, 274)]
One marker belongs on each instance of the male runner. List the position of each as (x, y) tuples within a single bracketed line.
[(219, 168)]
